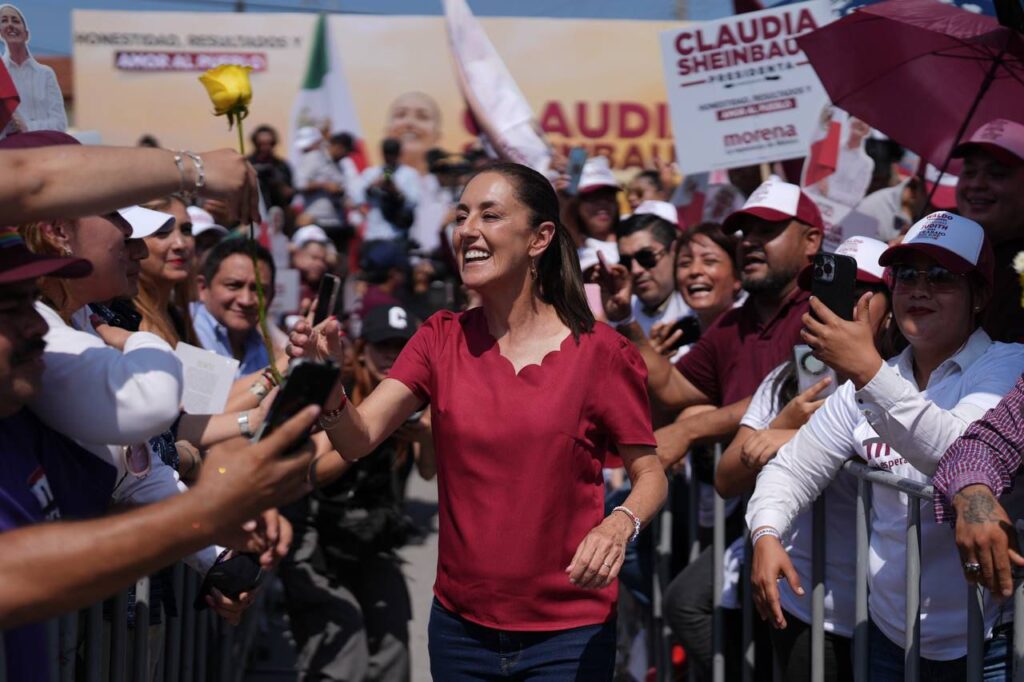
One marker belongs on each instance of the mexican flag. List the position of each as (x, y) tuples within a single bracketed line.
[(324, 101)]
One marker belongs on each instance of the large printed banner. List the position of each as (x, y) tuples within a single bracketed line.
[(740, 89), (595, 83)]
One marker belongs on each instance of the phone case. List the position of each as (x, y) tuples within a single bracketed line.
[(833, 282)]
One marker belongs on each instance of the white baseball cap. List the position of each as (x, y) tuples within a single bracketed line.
[(306, 137), (145, 222), (662, 209), (955, 242), (597, 174), (202, 222), (309, 233), (777, 200), (1002, 138)]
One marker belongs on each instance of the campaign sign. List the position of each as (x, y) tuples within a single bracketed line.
[(740, 90)]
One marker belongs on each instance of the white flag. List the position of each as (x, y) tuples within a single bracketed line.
[(494, 99)]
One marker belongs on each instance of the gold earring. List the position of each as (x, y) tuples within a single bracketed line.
[(67, 251), (533, 269)]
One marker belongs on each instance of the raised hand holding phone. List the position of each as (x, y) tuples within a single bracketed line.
[(846, 347), (326, 298), (308, 383)]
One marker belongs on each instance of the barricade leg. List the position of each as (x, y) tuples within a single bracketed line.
[(661, 634), (140, 653), (912, 645), (172, 661), (119, 639), (818, 590), (747, 595), (202, 640), (68, 646), (188, 628), (718, 618), (860, 628), (94, 643), (1018, 633), (975, 633)]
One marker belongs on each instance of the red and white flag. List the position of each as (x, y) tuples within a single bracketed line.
[(9, 98)]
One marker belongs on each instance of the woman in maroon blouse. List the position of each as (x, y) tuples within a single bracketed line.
[(528, 396)]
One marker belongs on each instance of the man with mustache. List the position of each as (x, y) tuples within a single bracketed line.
[(781, 231), (46, 569)]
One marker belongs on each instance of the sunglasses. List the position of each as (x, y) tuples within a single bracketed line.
[(646, 258), (936, 276)]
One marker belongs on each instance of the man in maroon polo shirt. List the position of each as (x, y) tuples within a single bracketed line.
[(782, 230)]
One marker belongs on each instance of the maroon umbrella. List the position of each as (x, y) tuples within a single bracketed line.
[(924, 73)]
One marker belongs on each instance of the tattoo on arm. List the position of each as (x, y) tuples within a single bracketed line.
[(980, 508)]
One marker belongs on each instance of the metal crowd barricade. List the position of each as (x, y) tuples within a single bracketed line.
[(197, 646), (867, 478)]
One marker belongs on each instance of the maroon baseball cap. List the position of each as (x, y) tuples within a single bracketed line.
[(18, 264), (37, 138)]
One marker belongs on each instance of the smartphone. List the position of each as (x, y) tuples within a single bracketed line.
[(690, 326), (307, 383), (326, 298), (810, 370), (577, 158), (832, 282)]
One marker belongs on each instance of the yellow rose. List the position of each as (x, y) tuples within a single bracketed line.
[(229, 89)]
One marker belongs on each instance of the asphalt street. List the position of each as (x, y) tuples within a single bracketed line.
[(273, 656)]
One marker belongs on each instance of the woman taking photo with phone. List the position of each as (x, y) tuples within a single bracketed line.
[(527, 398), (898, 415)]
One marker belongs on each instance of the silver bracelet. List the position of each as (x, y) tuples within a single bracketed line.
[(179, 161), (243, 424), (632, 517), (200, 169), (762, 532)]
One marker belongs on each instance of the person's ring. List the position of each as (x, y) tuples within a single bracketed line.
[(971, 567), (606, 565)]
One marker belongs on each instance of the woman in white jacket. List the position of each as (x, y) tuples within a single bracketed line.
[(900, 416)]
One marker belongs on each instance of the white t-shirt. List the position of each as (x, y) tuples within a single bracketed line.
[(840, 553), (893, 426), (42, 104), (407, 180)]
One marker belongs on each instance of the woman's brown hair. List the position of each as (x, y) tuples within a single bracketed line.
[(170, 325), (54, 290)]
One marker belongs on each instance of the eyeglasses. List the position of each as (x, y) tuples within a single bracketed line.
[(646, 258), (937, 277)]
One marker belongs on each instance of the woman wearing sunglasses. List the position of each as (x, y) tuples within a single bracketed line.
[(898, 415)]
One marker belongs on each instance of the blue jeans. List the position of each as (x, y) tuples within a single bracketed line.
[(886, 662), (461, 651)]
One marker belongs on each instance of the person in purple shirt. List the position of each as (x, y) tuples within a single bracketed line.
[(49, 565), (979, 466)]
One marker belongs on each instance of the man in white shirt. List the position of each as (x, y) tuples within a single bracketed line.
[(318, 179), (392, 192), (42, 104), (646, 243)]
